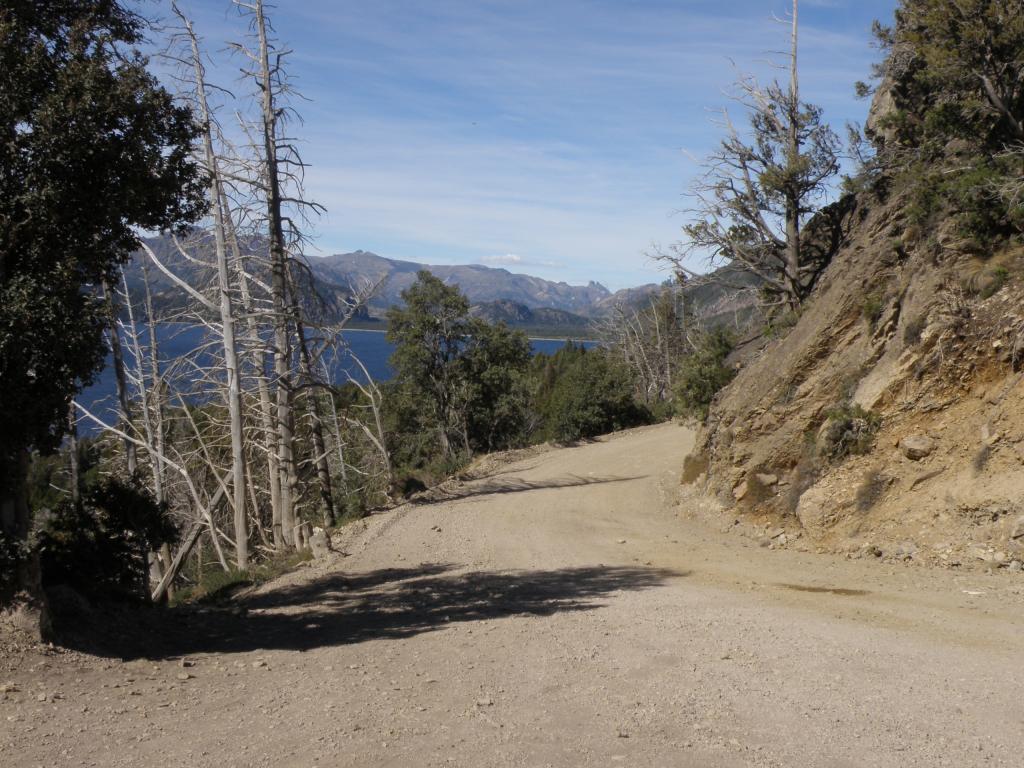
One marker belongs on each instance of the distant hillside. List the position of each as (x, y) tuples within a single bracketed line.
[(522, 301), (321, 297), (480, 284), (542, 321)]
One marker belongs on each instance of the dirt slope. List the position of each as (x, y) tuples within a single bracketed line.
[(557, 612), (926, 341)]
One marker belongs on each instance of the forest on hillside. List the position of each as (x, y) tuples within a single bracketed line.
[(239, 469)]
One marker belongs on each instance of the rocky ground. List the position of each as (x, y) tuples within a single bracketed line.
[(561, 610)]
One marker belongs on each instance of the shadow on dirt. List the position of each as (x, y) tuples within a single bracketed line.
[(512, 485), (338, 609)]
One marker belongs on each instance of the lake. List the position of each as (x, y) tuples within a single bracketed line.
[(179, 340)]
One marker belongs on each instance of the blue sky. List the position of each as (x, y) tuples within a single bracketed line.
[(556, 138)]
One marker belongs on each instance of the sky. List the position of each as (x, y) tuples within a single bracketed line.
[(552, 137)]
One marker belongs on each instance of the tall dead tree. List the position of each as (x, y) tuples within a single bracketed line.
[(120, 377), (275, 153), (758, 190), (225, 304)]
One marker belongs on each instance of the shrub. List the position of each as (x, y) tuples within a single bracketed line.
[(998, 277), (100, 545), (872, 308), (913, 329), (779, 325), (701, 375), (12, 554), (848, 430), (216, 584)]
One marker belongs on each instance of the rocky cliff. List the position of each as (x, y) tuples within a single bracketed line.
[(889, 421)]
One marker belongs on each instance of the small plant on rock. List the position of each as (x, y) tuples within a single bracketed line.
[(872, 308), (848, 430)]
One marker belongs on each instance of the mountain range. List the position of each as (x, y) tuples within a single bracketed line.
[(496, 294), (480, 284)]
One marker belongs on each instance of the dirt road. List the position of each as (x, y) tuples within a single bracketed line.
[(557, 613)]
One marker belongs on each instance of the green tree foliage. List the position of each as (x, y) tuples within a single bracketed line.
[(585, 393), (966, 74), (703, 373), (496, 363), (460, 384), (429, 333), (955, 75), (91, 148), (100, 545)]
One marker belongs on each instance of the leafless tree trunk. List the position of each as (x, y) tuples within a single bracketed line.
[(266, 74), (117, 353), (74, 470), (234, 395), (323, 471), (793, 260), (266, 406)]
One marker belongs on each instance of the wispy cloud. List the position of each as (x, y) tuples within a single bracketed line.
[(475, 131), (515, 260)]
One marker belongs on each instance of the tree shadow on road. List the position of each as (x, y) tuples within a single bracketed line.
[(498, 487), (394, 603)]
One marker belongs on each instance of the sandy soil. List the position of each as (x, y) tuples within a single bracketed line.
[(558, 612)]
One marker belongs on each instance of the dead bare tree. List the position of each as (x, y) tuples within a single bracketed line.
[(277, 177), (757, 191), (211, 163), (650, 338)]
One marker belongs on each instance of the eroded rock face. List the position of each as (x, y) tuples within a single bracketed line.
[(740, 491), (917, 447)]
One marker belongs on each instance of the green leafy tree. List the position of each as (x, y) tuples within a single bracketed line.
[(457, 377), (429, 333), (966, 69), (496, 364), (92, 148), (590, 395), (952, 91), (100, 544)]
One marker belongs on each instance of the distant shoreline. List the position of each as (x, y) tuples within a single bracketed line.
[(547, 337), (362, 329)]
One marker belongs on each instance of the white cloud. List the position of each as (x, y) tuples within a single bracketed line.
[(515, 260), (502, 260)]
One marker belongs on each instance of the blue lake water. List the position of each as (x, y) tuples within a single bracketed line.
[(181, 341)]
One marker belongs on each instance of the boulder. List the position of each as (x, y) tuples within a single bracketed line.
[(320, 543), (816, 510), (917, 447)]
